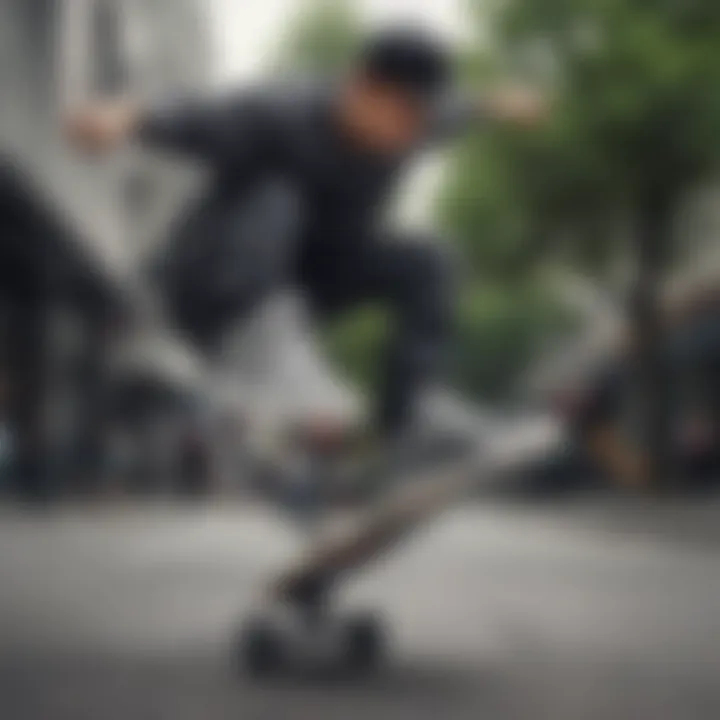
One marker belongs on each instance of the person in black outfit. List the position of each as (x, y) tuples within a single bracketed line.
[(300, 174)]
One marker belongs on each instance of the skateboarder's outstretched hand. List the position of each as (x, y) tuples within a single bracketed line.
[(514, 104), (101, 126)]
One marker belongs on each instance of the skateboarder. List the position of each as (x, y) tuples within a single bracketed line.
[(300, 174)]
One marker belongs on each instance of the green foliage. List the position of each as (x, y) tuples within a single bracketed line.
[(356, 342), (640, 81), (637, 113), (501, 330)]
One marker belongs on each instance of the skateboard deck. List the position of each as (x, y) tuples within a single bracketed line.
[(363, 537), (359, 539)]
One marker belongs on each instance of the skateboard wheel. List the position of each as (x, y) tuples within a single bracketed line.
[(364, 643), (260, 649)]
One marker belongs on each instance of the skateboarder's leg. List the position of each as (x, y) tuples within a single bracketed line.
[(226, 258), (417, 279), (414, 277)]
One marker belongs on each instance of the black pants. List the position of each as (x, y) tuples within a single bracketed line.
[(228, 257)]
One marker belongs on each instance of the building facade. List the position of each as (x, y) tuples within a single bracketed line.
[(73, 230), (56, 54)]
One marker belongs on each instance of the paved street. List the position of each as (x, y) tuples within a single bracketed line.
[(498, 612)]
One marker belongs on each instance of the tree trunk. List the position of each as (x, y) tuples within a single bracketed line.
[(654, 381)]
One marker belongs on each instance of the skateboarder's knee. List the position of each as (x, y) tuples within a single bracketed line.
[(261, 242)]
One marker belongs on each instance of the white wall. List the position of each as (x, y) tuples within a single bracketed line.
[(247, 33)]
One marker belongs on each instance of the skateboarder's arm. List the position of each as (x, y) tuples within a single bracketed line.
[(507, 105), (514, 105), (102, 126), (216, 130)]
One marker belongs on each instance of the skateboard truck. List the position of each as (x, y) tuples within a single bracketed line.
[(307, 634)]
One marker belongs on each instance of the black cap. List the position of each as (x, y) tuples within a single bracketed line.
[(412, 59)]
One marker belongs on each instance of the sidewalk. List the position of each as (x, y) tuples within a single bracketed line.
[(678, 519)]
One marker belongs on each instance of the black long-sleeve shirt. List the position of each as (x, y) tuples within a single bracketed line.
[(289, 132)]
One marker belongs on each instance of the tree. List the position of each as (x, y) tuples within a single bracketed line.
[(637, 115), (501, 331)]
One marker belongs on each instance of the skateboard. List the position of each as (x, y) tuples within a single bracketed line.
[(300, 625)]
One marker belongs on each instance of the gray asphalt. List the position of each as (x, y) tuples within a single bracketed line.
[(497, 612)]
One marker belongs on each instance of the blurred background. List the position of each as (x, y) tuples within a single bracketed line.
[(588, 344), (589, 308)]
